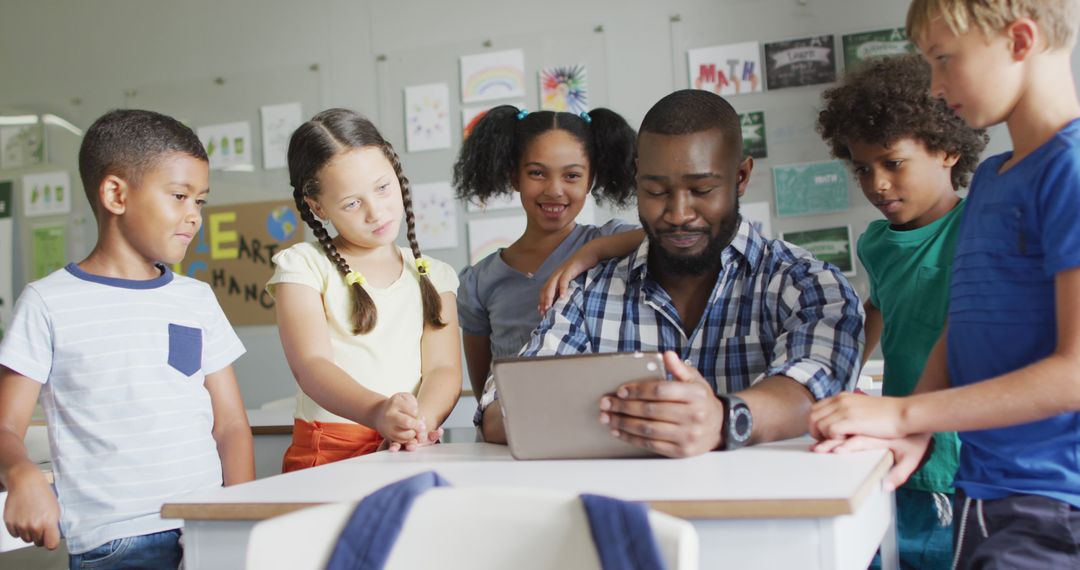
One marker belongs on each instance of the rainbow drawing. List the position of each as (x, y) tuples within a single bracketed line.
[(489, 76)]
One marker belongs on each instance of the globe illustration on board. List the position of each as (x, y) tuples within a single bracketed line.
[(281, 223)]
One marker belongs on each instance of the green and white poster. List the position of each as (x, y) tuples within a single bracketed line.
[(7, 302), (46, 194), (861, 47), (753, 134), (50, 249), (810, 188), (831, 245)]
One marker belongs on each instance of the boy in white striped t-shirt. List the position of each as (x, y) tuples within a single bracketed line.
[(132, 362)]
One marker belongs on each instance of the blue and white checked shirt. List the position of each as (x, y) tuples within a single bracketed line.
[(775, 310)]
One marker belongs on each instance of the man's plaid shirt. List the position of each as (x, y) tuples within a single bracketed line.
[(774, 310)]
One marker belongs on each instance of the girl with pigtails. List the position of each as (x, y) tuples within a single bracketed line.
[(369, 328), (553, 161)]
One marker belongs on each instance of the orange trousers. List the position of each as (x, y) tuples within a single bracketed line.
[(318, 443)]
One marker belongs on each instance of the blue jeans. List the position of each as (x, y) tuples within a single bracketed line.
[(156, 551)]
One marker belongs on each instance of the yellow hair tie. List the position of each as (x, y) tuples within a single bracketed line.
[(423, 266), (354, 278)]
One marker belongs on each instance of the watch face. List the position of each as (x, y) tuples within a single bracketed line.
[(741, 423)]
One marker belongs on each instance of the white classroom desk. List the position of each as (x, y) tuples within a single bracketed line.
[(770, 506)]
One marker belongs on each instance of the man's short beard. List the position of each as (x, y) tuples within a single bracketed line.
[(701, 263)]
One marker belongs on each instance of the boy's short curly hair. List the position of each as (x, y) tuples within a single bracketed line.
[(128, 143), (889, 99)]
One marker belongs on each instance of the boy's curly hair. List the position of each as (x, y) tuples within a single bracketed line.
[(888, 100)]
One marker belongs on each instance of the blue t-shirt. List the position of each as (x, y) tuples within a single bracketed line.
[(1020, 229), (498, 301)]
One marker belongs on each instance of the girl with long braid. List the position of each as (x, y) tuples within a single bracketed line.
[(369, 328)]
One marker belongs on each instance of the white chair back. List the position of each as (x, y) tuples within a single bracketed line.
[(465, 528)]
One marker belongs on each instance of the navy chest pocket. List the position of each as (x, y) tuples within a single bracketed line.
[(185, 349)]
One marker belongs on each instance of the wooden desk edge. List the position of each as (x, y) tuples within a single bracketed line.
[(752, 509)]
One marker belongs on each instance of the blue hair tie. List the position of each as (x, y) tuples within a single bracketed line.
[(585, 116), (522, 113)]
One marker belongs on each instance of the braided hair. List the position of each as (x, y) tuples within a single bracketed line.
[(311, 147), (492, 153)]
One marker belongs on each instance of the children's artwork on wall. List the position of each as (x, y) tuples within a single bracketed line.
[(564, 88), (865, 46), (796, 63), (21, 146), (49, 251), (509, 201), (46, 194), (831, 245), (436, 215), (278, 124), (228, 145), (811, 188), (427, 117), (488, 235), (753, 134), (472, 115), (7, 265), (732, 69), (759, 216), (232, 253), (489, 76)]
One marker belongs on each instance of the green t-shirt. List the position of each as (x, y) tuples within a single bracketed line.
[(909, 283)]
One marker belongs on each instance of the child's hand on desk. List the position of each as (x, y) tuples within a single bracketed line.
[(677, 419), (32, 512), (399, 421), (857, 414), (909, 453)]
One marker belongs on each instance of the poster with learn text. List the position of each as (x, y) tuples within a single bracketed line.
[(436, 215), (865, 46), (427, 117), (232, 253), (489, 76), (801, 62), (228, 145), (753, 134), (831, 245), (49, 249), (21, 146), (278, 124), (732, 69), (489, 235), (811, 188), (46, 194), (564, 88), (7, 265)]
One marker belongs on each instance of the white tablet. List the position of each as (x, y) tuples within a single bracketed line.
[(551, 404)]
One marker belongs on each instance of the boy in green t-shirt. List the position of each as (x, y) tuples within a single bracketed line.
[(910, 154)]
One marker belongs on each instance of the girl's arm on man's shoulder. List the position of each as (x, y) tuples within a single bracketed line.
[(584, 259), (231, 430)]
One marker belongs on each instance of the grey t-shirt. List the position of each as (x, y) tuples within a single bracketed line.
[(498, 301)]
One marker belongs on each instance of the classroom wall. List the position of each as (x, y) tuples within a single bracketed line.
[(209, 62)]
